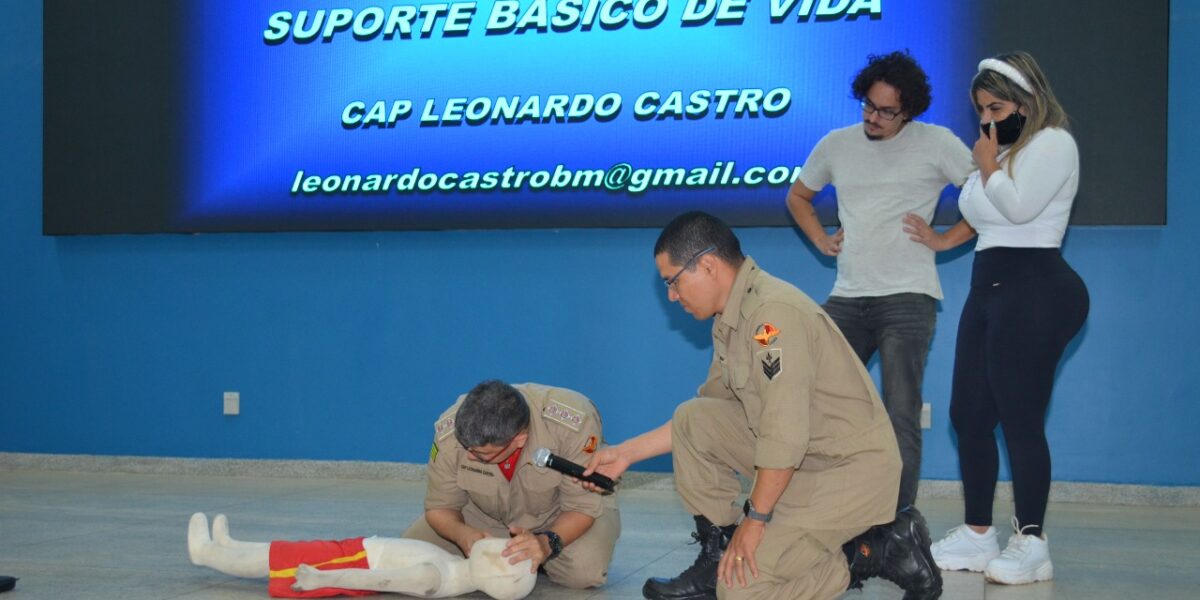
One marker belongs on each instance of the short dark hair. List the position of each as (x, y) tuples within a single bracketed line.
[(901, 71), (492, 414), (692, 232)]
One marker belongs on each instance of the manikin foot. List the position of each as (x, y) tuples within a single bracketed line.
[(220, 530), (225, 554), (199, 542)]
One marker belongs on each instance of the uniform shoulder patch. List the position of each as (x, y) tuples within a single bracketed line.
[(772, 362), (765, 334), (561, 413), (444, 428)]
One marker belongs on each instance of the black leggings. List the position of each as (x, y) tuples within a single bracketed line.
[(1025, 306)]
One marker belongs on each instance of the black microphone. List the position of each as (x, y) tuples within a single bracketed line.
[(543, 458)]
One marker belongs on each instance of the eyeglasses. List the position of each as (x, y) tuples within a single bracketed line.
[(887, 114), (687, 265), (489, 457)]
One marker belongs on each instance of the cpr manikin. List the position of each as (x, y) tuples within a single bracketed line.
[(376, 564)]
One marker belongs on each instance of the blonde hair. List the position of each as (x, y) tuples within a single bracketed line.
[(1044, 109)]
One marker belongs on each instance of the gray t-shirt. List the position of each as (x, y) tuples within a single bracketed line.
[(877, 183)]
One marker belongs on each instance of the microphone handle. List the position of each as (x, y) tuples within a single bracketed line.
[(567, 467)]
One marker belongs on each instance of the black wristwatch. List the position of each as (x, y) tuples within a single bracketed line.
[(556, 544), (748, 510)]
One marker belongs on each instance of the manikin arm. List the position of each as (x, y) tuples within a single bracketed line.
[(423, 581), (436, 574)]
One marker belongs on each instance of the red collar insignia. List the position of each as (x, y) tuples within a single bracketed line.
[(508, 467)]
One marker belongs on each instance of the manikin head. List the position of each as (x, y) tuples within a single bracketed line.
[(492, 574)]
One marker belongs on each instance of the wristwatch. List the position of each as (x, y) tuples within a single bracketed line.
[(556, 544), (748, 510)]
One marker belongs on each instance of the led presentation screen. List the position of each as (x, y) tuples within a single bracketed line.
[(229, 115)]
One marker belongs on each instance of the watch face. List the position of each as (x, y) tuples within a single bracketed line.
[(554, 541), (748, 510)]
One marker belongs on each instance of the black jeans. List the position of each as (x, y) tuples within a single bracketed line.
[(1025, 306), (900, 328)]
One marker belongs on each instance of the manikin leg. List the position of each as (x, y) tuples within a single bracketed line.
[(227, 555)]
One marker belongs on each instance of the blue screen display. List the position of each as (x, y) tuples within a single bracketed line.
[(531, 113)]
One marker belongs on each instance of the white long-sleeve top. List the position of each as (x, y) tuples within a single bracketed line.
[(1030, 209)]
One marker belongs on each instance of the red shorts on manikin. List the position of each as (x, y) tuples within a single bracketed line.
[(324, 555)]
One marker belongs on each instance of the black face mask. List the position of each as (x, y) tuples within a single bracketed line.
[(1008, 130)]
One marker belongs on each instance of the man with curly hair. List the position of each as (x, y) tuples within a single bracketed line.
[(886, 169)]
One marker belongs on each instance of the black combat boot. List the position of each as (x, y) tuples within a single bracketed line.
[(699, 581), (908, 562), (898, 552), (864, 555)]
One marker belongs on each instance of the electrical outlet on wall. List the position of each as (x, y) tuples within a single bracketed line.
[(926, 416), (233, 403)]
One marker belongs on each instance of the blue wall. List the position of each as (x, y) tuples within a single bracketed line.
[(348, 345)]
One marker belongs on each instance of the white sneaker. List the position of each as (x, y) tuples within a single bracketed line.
[(1026, 559), (964, 550)]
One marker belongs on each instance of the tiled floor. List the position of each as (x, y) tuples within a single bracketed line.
[(71, 535)]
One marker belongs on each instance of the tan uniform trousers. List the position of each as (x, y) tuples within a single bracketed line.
[(710, 442), (582, 564)]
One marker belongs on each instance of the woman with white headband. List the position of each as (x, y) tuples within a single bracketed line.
[(1025, 305)]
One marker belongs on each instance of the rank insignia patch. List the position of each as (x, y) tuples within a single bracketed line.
[(444, 427), (772, 362), (561, 413), (765, 334)]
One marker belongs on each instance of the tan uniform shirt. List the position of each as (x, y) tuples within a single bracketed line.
[(808, 401), (560, 419)]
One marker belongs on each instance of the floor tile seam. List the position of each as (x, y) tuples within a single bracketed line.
[(603, 593), (162, 520), (197, 466), (193, 591), (14, 569), (56, 540), (1061, 564), (79, 510), (648, 563)]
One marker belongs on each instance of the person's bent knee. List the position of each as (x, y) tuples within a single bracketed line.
[(688, 412), (578, 579), (685, 410), (421, 530)]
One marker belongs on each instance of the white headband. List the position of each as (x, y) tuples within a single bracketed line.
[(1007, 70)]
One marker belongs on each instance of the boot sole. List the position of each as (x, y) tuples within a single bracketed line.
[(652, 595), (712, 596)]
